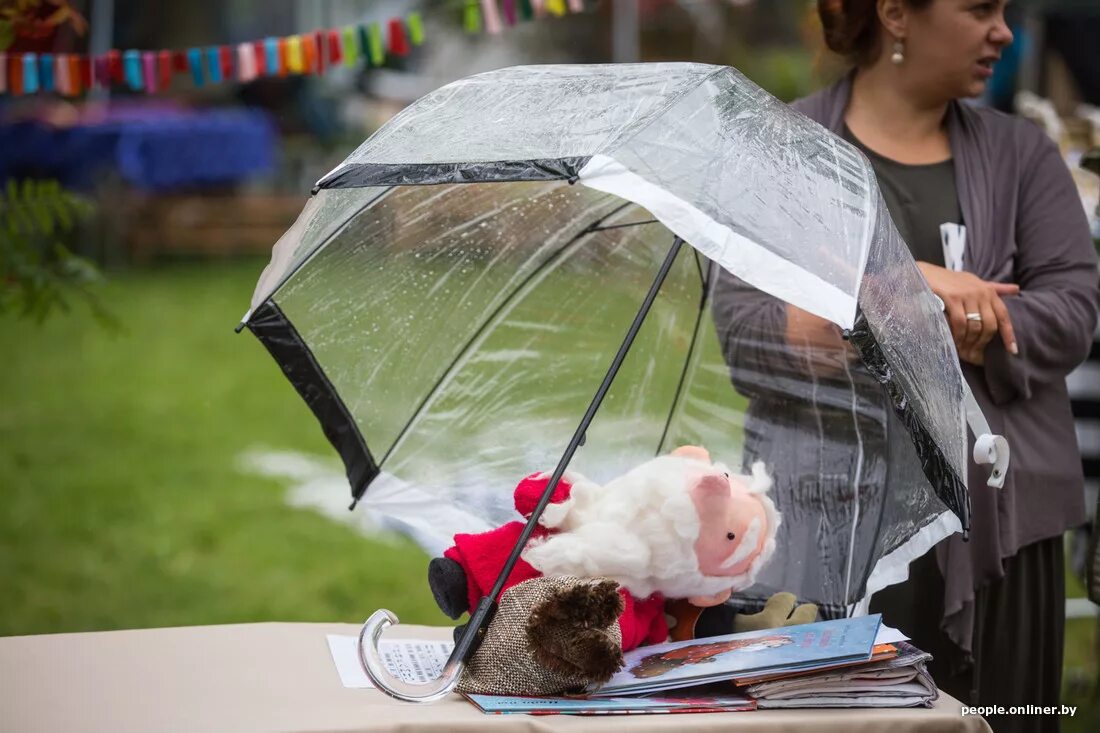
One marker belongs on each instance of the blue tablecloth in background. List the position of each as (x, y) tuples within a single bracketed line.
[(155, 149)]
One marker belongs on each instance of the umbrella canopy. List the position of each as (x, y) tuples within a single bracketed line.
[(452, 293)]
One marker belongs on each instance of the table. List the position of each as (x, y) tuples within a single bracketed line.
[(280, 677)]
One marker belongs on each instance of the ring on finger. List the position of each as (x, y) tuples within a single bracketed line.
[(976, 317)]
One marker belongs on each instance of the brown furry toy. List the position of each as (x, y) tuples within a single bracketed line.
[(549, 636)]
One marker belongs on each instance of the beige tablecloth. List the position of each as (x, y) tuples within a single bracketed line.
[(280, 677)]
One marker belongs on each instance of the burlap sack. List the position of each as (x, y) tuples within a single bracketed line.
[(531, 648)]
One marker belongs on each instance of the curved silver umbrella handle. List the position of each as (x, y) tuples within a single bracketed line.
[(375, 669), (393, 686)]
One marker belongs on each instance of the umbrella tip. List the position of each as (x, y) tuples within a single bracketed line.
[(351, 507), (244, 321)]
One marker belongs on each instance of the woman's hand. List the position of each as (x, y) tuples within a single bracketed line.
[(817, 341), (974, 309)]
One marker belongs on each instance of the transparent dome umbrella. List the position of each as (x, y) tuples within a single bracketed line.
[(494, 284)]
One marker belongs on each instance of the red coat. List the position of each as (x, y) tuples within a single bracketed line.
[(483, 555)]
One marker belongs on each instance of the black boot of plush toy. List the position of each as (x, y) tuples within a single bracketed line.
[(715, 621), (447, 580)]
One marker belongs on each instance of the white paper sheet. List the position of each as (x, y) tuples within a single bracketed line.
[(887, 635), (413, 660)]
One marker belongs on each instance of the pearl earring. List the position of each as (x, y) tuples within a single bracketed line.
[(899, 53)]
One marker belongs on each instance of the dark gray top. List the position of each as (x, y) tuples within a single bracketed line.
[(1025, 225), (920, 198)]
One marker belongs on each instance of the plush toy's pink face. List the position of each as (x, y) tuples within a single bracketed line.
[(733, 524)]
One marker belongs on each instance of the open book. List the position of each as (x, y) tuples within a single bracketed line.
[(749, 655)]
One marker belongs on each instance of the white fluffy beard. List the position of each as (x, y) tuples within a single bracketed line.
[(638, 530)]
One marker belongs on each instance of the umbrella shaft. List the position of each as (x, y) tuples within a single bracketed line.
[(484, 615)]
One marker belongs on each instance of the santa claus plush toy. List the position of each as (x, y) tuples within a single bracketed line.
[(677, 526)]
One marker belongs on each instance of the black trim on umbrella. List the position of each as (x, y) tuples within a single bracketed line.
[(946, 482), (279, 337), (358, 175)]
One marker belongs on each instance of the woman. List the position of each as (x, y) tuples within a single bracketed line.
[(1022, 310)]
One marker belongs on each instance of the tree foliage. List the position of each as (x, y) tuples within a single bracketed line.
[(39, 274)]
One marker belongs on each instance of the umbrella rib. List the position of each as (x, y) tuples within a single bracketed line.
[(553, 259), (703, 279), (672, 412), (623, 226)]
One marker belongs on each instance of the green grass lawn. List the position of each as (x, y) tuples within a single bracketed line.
[(122, 503)]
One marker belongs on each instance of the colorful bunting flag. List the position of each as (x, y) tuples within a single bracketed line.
[(307, 53), (131, 64), (15, 65), (114, 67), (61, 74), (471, 16), (77, 86), (295, 63), (149, 71), (364, 42), (491, 16), (45, 72), (271, 56), (377, 50), (225, 61), (284, 56), (399, 44), (194, 61), (416, 28), (164, 69), (75, 74), (317, 38), (246, 62), (86, 72), (30, 73), (335, 52), (351, 45)]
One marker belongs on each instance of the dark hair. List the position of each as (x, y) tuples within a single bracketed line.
[(852, 29)]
